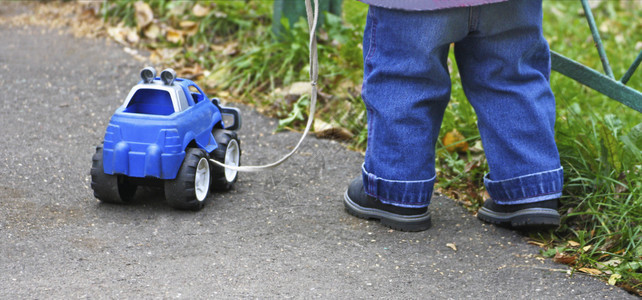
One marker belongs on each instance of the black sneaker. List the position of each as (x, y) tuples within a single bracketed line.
[(530, 216), (360, 204)]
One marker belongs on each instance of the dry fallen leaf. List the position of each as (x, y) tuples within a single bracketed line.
[(590, 271), (190, 72), (174, 36), (189, 27), (613, 279), (610, 263), (178, 8), (117, 34), (200, 11), (228, 49), (454, 141), (452, 246), (573, 244), (144, 14), (563, 258), (536, 243), (134, 53), (164, 55), (122, 35), (133, 37), (152, 31), (299, 88), (231, 49), (324, 130), (187, 24)]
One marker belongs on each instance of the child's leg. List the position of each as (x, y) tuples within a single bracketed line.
[(406, 89), (505, 66)]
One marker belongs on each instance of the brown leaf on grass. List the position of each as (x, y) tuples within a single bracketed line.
[(229, 49), (454, 141), (191, 73), (324, 130), (590, 271), (89, 10), (132, 37), (163, 55), (563, 258), (117, 34), (152, 31), (614, 278), (539, 244), (134, 53), (573, 244), (609, 263), (295, 90), (189, 27), (186, 24), (174, 35), (123, 35), (144, 14), (179, 8), (200, 11)]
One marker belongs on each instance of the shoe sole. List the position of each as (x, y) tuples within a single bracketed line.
[(390, 220), (525, 219)]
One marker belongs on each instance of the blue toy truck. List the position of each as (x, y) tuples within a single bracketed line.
[(165, 134)]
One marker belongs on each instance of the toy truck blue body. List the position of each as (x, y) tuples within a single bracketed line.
[(147, 136), (167, 132)]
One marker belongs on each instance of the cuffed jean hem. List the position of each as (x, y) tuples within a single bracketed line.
[(412, 194), (529, 188)]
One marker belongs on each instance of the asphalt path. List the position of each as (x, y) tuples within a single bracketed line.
[(278, 234)]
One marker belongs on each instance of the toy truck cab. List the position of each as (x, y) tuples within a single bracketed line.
[(167, 130)]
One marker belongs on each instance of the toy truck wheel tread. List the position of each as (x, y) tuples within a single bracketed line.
[(109, 188), (190, 188), (228, 152)]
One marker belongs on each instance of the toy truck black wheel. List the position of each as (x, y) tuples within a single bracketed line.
[(109, 188), (190, 188), (229, 153)]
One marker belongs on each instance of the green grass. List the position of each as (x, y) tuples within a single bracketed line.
[(600, 144), (599, 140)]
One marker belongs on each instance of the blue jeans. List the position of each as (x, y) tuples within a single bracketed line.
[(504, 63)]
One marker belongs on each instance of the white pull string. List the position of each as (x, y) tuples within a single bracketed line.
[(314, 75)]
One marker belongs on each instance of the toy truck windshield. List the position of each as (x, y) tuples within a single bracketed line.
[(155, 99)]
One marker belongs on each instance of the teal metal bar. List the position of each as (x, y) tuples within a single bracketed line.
[(597, 39), (631, 69), (293, 10), (597, 81)]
